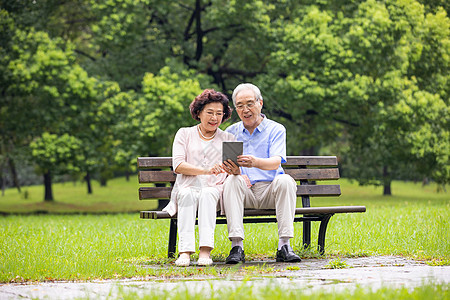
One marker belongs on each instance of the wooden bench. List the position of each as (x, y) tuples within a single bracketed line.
[(306, 170)]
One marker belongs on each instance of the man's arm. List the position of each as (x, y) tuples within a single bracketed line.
[(250, 161)]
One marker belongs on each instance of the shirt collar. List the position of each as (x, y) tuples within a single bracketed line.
[(260, 127), (263, 123)]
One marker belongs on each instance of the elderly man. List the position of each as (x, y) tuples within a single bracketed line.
[(260, 181)]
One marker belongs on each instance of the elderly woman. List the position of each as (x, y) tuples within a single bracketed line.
[(197, 161)]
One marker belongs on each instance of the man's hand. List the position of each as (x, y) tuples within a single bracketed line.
[(231, 168), (248, 161)]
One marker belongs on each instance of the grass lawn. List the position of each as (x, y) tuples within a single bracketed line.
[(272, 291), (118, 196), (413, 223)]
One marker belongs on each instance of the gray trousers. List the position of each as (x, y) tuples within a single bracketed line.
[(280, 194)]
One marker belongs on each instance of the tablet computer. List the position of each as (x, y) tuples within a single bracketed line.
[(231, 150)]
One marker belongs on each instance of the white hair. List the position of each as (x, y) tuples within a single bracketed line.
[(246, 86)]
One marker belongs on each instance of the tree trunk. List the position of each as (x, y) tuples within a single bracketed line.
[(386, 182), (88, 182), (127, 176), (2, 183), (48, 187), (199, 31), (12, 167), (387, 189), (103, 181)]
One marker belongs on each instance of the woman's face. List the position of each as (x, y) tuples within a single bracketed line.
[(211, 116)]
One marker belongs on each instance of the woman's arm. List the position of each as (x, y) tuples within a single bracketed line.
[(189, 169)]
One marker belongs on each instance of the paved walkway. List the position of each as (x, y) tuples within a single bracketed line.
[(309, 276)]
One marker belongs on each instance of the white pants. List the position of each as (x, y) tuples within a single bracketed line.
[(280, 194), (189, 201)]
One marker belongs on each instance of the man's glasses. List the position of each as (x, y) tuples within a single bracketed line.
[(249, 105)]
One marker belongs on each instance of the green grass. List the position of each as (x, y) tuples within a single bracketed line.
[(413, 223), (272, 291), (336, 264)]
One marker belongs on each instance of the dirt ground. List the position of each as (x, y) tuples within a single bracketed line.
[(310, 275)]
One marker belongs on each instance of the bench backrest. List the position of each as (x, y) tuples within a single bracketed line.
[(306, 170)]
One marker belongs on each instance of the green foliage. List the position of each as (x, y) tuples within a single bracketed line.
[(123, 42), (367, 80), (376, 77), (155, 114), (57, 153), (49, 102)]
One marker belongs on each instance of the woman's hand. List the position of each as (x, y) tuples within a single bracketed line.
[(231, 168), (216, 170)]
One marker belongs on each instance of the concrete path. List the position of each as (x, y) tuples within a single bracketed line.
[(309, 276)]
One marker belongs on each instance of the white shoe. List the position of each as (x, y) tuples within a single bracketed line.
[(203, 261), (182, 262)]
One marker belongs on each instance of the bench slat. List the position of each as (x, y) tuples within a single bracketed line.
[(318, 190), (271, 212), (156, 176), (323, 161), (308, 210), (297, 174), (146, 193), (313, 174), (312, 161), (154, 162)]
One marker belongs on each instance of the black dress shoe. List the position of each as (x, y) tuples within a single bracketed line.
[(236, 256), (286, 254)]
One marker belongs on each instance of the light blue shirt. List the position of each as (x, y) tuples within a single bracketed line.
[(267, 140)]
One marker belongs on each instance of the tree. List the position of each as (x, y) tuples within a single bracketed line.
[(43, 90), (55, 154), (353, 74)]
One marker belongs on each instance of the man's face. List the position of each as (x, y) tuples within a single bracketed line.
[(249, 109)]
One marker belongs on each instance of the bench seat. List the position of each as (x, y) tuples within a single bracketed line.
[(269, 212)]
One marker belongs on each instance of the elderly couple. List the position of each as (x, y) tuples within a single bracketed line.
[(205, 184)]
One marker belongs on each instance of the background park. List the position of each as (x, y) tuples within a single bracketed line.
[(88, 86)]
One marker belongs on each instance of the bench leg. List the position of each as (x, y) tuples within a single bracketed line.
[(322, 232), (172, 238), (306, 234)]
